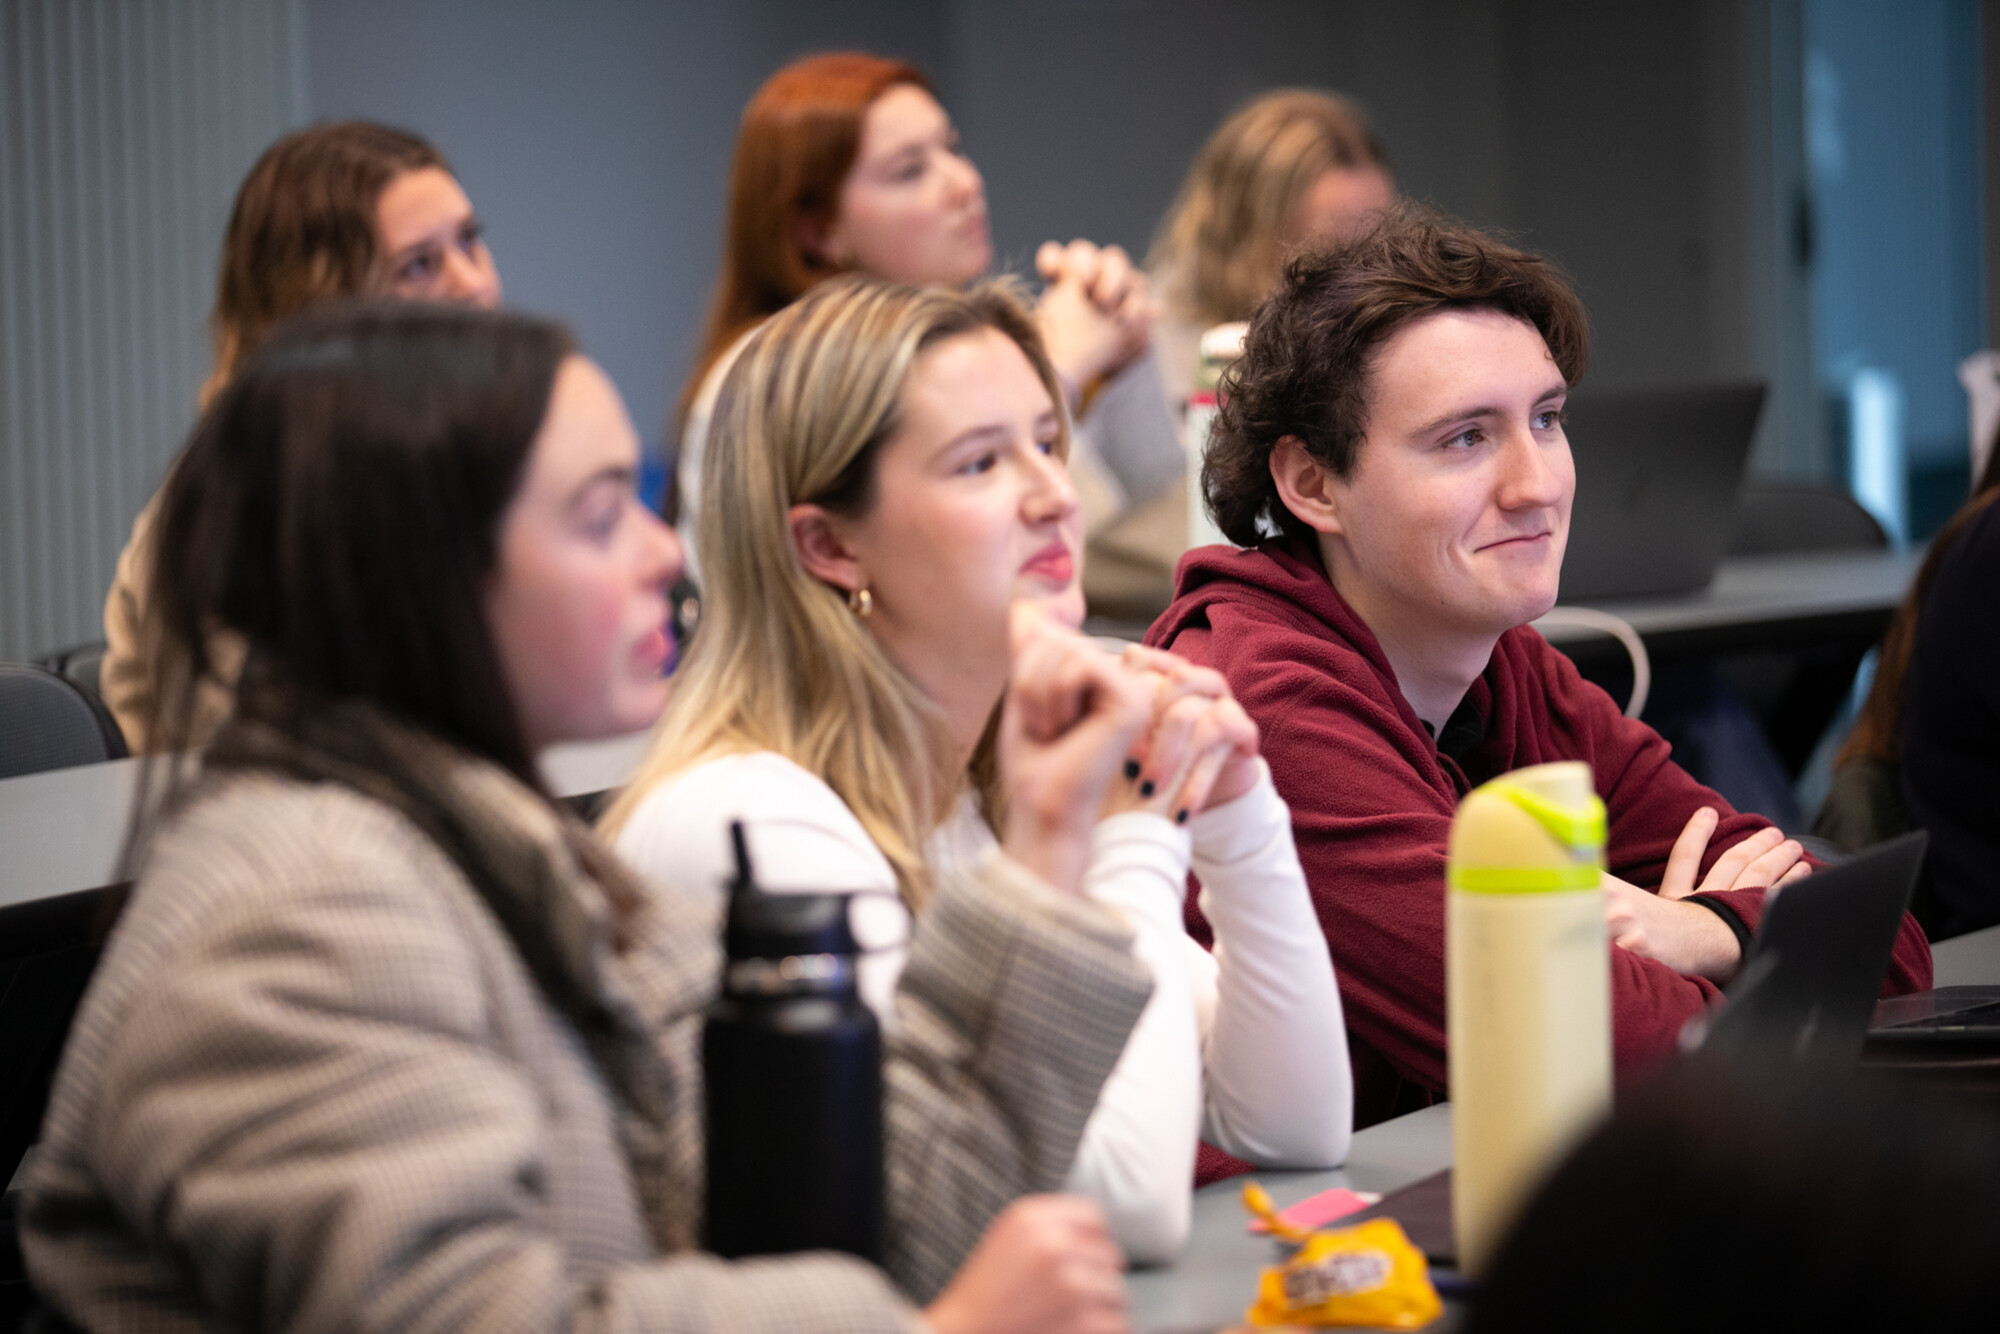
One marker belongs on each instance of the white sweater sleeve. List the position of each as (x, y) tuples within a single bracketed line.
[(1130, 428), (1137, 1154), (1280, 1092), (802, 839)]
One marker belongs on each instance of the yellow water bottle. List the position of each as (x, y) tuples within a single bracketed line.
[(1527, 990)]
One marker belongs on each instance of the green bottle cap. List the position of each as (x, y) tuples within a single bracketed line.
[(1577, 824)]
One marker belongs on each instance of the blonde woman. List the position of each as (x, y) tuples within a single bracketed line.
[(1288, 168), (887, 491)]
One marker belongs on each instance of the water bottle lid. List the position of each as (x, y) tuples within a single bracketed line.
[(1224, 342), (761, 925), (776, 926), (1557, 797), (1577, 823)]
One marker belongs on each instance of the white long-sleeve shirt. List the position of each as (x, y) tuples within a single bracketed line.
[(1244, 1047)]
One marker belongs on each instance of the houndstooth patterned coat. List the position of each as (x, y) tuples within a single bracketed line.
[(315, 1086)]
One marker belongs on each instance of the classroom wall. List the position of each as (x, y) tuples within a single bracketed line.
[(1893, 120), (1655, 150), (1632, 142), (595, 137), (125, 126)]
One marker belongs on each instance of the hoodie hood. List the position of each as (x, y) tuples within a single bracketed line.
[(1282, 577)]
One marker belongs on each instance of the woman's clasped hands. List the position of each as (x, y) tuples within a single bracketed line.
[(1096, 312), (1086, 734)]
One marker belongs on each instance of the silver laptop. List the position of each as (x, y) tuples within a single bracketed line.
[(1657, 472)]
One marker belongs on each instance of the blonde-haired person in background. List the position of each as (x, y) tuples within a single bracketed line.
[(1289, 167), (348, 208), (886, 492)]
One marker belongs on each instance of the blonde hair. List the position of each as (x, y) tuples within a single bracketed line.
[(1221, 246), (780, 663)]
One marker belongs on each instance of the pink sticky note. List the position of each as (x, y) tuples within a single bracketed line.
[(1319, 1210)]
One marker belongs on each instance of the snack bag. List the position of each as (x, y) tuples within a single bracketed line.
[(1364, 1275)]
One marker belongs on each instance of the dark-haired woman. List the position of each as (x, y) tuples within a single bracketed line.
[(385, 1039), (1925, 752), (349, 208), (1391, 453), (846, 163)]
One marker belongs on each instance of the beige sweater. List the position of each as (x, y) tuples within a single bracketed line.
[(125, 679), (314, 1087)]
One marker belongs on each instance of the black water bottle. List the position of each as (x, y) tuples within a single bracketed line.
[(792, 1060)]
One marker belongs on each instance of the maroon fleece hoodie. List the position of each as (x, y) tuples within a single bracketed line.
[(1372, 801)]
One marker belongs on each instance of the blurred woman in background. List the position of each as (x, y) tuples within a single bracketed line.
[(1925, 750), (845, 163), (349, 208), (1290, 167)]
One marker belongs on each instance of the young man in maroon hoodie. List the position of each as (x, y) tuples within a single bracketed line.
[(1391, 457)]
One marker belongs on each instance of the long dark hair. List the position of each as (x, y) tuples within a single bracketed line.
[(338, 508), (1878, 728)]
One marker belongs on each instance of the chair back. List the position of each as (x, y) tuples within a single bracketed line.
[(1773, 517), (48, 949), (50, 722), (81, 663)]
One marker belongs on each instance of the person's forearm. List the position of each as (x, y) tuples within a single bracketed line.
[(1280, 1089), (1014, 1007), (1137, 1155), (1134, 434)]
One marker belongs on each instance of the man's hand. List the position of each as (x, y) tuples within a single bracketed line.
[(1686, 937), (1764, 859)]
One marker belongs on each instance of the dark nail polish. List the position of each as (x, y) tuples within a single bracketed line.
[(1146, 789), (1180, 816), (1131, 769)]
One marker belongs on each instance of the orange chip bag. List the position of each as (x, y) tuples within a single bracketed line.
[(1364, 1275)]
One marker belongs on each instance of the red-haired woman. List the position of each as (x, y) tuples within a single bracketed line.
[(845, 162)]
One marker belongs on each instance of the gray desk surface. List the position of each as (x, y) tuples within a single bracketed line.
[(1968, 960), (1216, 1277), (62, 831), (1772, 591)]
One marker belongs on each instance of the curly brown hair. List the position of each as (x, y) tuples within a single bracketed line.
[(1307, 360)]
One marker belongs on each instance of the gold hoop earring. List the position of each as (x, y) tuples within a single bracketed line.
[(861, 602)]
